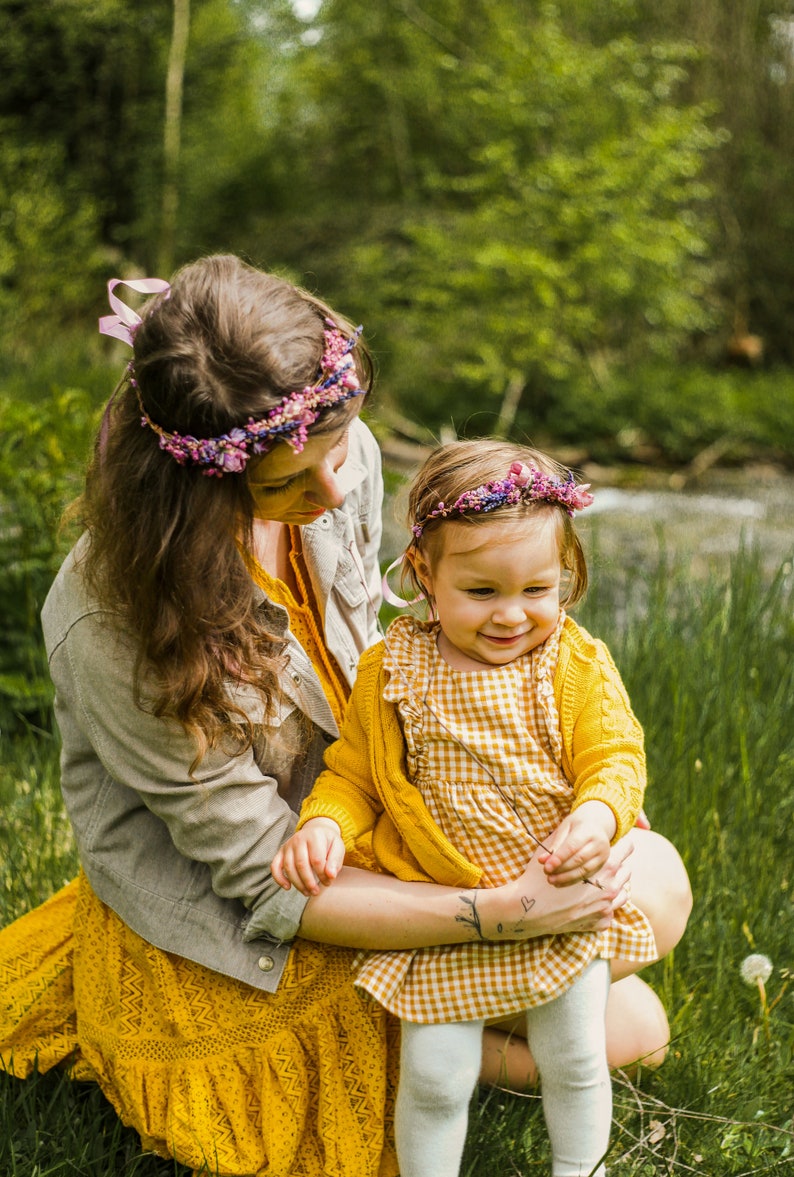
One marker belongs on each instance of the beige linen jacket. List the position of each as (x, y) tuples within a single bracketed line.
[(185, 862)]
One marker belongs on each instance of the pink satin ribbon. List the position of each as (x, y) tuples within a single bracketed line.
[(390, 597), (122, 324)]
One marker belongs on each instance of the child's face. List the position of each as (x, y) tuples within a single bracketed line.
[(495, 588)]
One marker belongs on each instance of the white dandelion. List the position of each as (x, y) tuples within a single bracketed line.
[(756, 969)]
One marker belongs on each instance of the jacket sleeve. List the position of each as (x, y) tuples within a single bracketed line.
[(603, 744), (345, 791), (119, 760)]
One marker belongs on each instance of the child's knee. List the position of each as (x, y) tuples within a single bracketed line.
[(439, 1071)]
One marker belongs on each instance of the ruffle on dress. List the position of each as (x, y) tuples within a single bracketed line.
[(410, 655), (206, 1069), (38, 1022)]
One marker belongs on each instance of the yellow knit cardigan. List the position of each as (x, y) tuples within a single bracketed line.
[(366, 790)]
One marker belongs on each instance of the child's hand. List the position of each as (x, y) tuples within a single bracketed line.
[(580, 845), (310, 857)]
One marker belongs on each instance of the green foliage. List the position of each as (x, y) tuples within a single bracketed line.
[(51, 261), (522, 202), (39, 854), (43, 449), (77, 84), (50, 1126), (668, 413), (707, 664), (746, 66), (537, 209)]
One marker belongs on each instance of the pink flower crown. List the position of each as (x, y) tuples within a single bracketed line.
[(523, 484), (288, 421)]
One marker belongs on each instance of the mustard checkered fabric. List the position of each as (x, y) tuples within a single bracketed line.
[(485, 750)]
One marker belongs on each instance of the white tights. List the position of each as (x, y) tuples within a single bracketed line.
[(439, 1065)]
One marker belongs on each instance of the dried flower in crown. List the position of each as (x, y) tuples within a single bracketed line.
[(523, 484), (289, 420)]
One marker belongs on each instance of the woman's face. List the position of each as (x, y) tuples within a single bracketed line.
[(298, 488)]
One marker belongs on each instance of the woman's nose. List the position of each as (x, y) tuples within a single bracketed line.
[(325, 488)]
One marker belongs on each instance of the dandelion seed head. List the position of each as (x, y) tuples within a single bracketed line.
[(755, 968)]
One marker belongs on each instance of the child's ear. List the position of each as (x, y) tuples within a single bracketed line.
[(418, 562)]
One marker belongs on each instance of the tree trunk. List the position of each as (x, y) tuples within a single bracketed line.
[(509, 407), (172, 134)]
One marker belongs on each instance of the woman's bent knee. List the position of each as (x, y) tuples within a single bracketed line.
[(660, 887), (638, 1032)]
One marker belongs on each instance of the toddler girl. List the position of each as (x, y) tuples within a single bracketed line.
[(497, 729)]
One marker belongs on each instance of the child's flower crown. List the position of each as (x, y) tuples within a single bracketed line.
[(524, 484), (288, 421)]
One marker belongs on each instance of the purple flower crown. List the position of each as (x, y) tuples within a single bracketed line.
[(523, 484), (288, 421)]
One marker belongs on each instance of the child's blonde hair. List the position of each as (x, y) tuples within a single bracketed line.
[(453, 469)]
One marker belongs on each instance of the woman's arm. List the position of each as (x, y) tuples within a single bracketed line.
[(375, 911)]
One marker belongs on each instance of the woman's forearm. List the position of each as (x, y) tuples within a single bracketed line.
[(364, 910)]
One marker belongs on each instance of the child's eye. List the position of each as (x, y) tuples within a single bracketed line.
[(534, 589), (479, 592)]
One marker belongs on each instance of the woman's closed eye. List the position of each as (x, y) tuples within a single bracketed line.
[(263, 488)]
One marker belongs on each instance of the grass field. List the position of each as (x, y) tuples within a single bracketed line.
[(709, 666)]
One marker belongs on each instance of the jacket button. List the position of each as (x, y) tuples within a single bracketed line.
[(296, 678), (266, 964)]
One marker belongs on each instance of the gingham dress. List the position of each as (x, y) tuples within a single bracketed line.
[(485, 748)]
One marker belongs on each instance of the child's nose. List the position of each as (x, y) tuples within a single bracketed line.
[(509, 613)]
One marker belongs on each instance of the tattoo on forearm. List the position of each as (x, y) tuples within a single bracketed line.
[(470, 916), (519, 927)]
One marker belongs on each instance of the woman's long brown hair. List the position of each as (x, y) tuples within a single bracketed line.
[(227, 343)]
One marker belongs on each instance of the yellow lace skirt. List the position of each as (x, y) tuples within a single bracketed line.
[(205, 1068)]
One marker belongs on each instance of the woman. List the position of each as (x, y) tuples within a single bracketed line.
[(202, 636)]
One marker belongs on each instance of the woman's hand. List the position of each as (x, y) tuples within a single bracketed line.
[(532, 906), (311, 857)]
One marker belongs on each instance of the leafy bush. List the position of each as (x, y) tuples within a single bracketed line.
[(43, 448), (680, 409), (666, 413)]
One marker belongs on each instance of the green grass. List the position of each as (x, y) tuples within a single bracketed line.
[(708, 664)]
